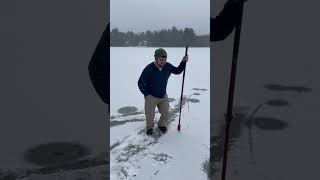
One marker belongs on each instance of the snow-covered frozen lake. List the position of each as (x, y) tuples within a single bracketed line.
[(277, 94), (136, 156), (47, 101)]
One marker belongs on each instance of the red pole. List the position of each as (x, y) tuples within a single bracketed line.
[(181, 97), (231, 91)]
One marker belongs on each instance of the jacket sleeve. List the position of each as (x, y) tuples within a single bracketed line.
[(143, 82), (179, 69), (99, 67), (223, 24)]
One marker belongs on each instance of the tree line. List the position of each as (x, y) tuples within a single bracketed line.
[(163, 38)]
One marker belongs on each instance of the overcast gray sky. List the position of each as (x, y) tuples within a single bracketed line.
[(142, 15)]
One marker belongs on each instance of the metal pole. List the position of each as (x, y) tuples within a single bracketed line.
[(229, 116)]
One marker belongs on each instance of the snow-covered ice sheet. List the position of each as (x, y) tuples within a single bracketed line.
[(174, 155)]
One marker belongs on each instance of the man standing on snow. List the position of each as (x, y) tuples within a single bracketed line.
[(153, 85)]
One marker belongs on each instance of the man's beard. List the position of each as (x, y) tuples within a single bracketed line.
[(160, 65)]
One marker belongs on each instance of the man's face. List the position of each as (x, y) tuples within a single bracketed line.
[(161, 61)]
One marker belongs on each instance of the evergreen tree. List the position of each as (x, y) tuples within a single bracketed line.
[(163, 38)]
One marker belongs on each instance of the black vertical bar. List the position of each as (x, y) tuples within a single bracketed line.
[(181, 97), (231, 91)]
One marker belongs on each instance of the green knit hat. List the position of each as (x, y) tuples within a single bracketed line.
[(159, 52)]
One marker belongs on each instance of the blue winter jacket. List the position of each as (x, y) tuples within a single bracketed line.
[(154, 82)]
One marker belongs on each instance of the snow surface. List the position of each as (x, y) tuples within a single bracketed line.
[(175, 155), (270, 55)]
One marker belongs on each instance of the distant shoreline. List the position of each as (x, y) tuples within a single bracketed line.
[(162, 46)]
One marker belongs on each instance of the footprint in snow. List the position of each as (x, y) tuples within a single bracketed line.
[(277, 102), (56, 153), (163, 158), (199, 89), (193, 100), (268, 123), (280, 87), (127, 110)]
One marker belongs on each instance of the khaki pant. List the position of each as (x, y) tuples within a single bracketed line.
[(163, 106)]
